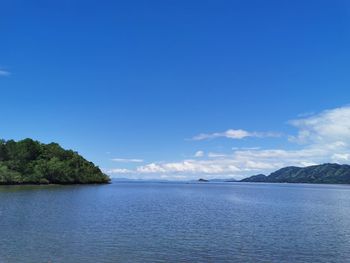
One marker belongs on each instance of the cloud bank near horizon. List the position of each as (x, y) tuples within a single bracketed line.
[(125, 160), (320, 138)]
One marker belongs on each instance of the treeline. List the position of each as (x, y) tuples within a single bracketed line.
[(31, 162)]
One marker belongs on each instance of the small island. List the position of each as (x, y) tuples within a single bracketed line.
[(31, 162), (201, 180)]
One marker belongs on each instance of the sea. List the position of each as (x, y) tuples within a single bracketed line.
[(175, 222)]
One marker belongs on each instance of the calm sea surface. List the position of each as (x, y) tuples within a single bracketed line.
[(175, 222)]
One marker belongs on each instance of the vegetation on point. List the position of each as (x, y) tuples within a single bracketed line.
[(31, 162)]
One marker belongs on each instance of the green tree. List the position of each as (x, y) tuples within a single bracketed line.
[(30, 161)]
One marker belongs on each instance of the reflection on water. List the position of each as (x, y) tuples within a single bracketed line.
[(175, 222)]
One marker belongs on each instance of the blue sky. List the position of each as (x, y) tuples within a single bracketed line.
[(151, 83)]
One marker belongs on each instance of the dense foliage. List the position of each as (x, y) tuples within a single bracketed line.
[(32, 162), (329, 173)]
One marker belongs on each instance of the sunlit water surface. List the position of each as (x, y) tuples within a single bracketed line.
[(175, 222)]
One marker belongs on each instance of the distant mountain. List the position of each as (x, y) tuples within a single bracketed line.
[(329, 173), (122, 179), (218, 180), (255, 178)]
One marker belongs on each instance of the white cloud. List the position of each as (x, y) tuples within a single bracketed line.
[(321, 138), (234, 134), (199, 154), (117, 171), (251, 148), (123, 160), (328, 126), (189, 166), (4, 73), (216, 155)]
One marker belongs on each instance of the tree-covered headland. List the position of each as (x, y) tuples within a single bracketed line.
[(31, 162)]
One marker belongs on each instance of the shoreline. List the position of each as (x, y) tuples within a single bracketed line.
[(52, 184)]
